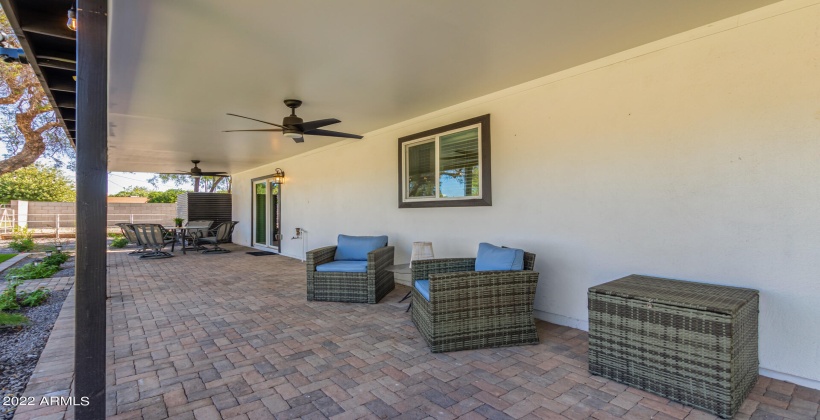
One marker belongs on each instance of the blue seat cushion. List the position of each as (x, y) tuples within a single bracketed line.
[(423, 286), (343, 267), (495, 258), (356, 248)]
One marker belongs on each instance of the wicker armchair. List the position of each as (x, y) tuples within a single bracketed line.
[(471, 309), (368, 287)]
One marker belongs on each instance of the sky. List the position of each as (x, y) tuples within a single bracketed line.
[(118, 181)]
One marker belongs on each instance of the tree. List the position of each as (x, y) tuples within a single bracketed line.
[(132, 191), (36, 183), (28, 127), (209, 184), (169, 196)]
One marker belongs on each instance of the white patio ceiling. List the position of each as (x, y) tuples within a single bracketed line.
[(178, 66)]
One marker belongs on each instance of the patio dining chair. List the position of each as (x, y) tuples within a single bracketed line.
[(154, 237), (196, 229), (355, 270), (131, 236), (221, 234), (473, 303)]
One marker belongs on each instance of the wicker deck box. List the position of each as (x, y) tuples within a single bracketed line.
[(690, 342)]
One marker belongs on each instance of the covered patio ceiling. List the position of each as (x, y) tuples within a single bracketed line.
[(177, 67)]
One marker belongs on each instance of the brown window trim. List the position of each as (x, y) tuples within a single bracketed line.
[(486, 184)]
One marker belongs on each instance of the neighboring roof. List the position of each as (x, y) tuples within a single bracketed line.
[(51, 49)]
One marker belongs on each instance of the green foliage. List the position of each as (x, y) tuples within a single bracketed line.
[(169, 196), (119, 243), (35, 298), (36, 183), (32, 271), (21, 240), (6, 257), (8, 299), (114, 235), (12, 320), (55, 259), (133, 191)]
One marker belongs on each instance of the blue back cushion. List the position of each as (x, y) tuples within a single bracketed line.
[(356, 248), (423, 286), (494, 258), (343, 267)]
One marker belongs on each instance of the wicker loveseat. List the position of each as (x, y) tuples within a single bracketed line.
[(362, 275), (467, 309)]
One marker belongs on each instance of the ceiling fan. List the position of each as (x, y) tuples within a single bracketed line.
[(293, 127), (196, 172)]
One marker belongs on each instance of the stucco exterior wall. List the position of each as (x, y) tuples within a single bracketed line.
[(694, 157)]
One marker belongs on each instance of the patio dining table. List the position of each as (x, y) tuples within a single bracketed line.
[(180, 233)]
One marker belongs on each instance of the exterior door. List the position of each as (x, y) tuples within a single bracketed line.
[(267, 218)]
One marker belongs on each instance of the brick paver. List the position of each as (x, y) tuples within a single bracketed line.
[(232, 336)]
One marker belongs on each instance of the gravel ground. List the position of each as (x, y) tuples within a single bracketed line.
[(20, 348)]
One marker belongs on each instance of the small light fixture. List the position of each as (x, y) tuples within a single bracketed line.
[(48, 253), (59, 248), (293, 135), (72, 17), (279, 176)]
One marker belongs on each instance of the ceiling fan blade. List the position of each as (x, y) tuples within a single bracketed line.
[(254, 119), (329, 133), (261, 129), (312, 125), (214, 174), (173, 173), (299, 140)]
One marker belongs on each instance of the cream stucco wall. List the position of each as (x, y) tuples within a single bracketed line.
[(694, 157)]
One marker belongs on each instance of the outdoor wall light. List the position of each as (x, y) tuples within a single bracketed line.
[(279, 176), (72, 17)]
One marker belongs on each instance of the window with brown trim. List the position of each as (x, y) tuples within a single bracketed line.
[(447, 166)]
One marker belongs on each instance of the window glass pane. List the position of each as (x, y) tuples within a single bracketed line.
[(459, 164), (261, 215), (421, 170)]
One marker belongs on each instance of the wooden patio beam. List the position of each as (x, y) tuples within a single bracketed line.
[(92, 184)]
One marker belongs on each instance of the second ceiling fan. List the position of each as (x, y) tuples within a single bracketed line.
[(293, 127)]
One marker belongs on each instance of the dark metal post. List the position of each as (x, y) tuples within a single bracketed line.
[(92, 189)]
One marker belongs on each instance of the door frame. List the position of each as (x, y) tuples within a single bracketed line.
[(268, 231)]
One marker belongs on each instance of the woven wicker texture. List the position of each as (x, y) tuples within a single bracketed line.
[(472, 310), (369, 287), (700, 351)]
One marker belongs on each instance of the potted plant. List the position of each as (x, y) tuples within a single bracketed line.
[(178, 221)]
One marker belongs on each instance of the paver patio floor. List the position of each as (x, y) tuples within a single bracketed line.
[(232, 336)]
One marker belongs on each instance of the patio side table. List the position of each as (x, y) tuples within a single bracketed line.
[(693, 343)]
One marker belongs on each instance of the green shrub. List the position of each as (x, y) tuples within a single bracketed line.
[(8, 299), (119, 243), (32, 271), (114, 235), (21, 240), (35, 298), (56, 259), (12, 320)]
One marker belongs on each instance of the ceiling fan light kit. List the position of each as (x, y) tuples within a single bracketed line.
[(294, 128)]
